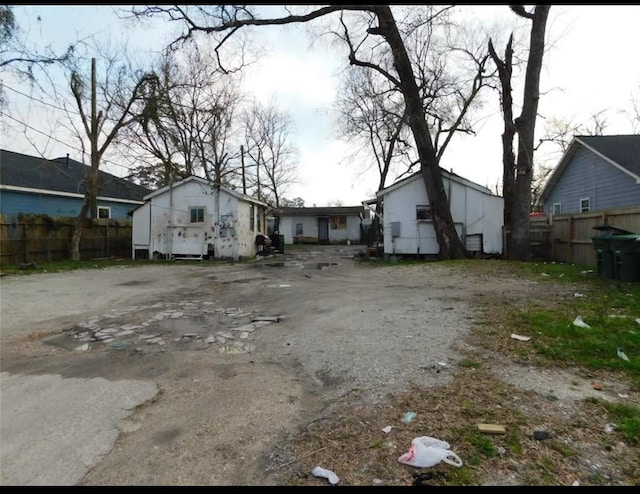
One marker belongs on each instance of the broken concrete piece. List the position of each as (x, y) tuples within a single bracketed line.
[(520, 337)]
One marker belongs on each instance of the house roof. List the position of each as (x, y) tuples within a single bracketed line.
[(321, 211), (208, 183), (445, 173), (620, 151), (21, 171)]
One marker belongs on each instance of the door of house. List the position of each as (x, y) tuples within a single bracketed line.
[(323, 230)]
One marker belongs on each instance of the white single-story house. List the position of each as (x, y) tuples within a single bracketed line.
[(408, 225), (321, 225), (192, 218)]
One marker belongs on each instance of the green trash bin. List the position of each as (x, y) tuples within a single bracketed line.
[(626, 256), (604, 250)]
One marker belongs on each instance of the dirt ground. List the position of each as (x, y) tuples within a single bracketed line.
[(346, 352)]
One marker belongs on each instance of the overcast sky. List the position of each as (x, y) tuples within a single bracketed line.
[(593, 65)]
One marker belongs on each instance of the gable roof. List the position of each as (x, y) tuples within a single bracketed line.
[(445, 173), (620, 151), (21, 171), (208, 183)]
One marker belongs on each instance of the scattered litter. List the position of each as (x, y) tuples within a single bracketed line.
[(610, 428), (82, 348), (622, 355), (284, 286), (545, 274), (597, 386), (408, 417), (266, 318), (119, 345), (580, 323), (638, 320), (327, 474), (541, 435), (387, 429), (617, 315), (576, 294), (520, 337), (443, 364), (623, 395), (575, 483), (427, 451), (377, 481), (587, 271), (492, 428)]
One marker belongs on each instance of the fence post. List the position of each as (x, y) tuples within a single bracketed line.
[(24, 242)]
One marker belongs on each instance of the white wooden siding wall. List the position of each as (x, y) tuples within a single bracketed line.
[(473, 212)]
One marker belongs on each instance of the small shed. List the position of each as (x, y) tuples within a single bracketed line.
[(408, 223), (321, 225), (195, 219)]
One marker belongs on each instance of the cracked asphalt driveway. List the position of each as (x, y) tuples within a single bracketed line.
[(159, 374)]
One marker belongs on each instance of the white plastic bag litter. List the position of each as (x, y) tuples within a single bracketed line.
[(427, 451), (327, 474)]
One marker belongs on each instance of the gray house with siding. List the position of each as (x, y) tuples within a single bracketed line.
[(30, 184), (595, 173), (321, 225)]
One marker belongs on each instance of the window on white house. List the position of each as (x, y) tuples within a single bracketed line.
[(104, 212), (557, 209), (298, 228), (196, 214), (423, 212), (585, 205), (338, 222)]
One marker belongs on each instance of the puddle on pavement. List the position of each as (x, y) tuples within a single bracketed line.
[(193, 325), (319, 265), (67, 342), (316, 265)]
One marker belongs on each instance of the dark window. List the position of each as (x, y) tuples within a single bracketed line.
[(585, 205), (104, 212), (423, 212), (197, 215)]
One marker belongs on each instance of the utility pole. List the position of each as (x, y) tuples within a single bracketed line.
[(244, 180), (93, 176)]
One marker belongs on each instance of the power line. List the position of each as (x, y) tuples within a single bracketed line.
[(40, 101), (61, 142)]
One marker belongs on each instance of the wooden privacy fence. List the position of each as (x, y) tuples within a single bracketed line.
[(41, 238), (571, 235)]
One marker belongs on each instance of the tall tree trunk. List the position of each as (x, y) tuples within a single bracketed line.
[(505, 70), (451, 246), (77, 231), (519, 248)]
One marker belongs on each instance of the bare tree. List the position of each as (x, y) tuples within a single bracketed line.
[(117, 97), (518, 172), (634, 113), (371, 114), (20, 58), (268, 137), (390, 59), (185, 123)]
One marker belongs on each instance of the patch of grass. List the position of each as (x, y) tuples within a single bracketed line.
[(471, 364), (562, 448), (611, 308), (71, 265), (483, 446), (627, 420)]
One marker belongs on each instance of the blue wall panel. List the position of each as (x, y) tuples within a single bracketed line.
[(589, 176), (13, 203)]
